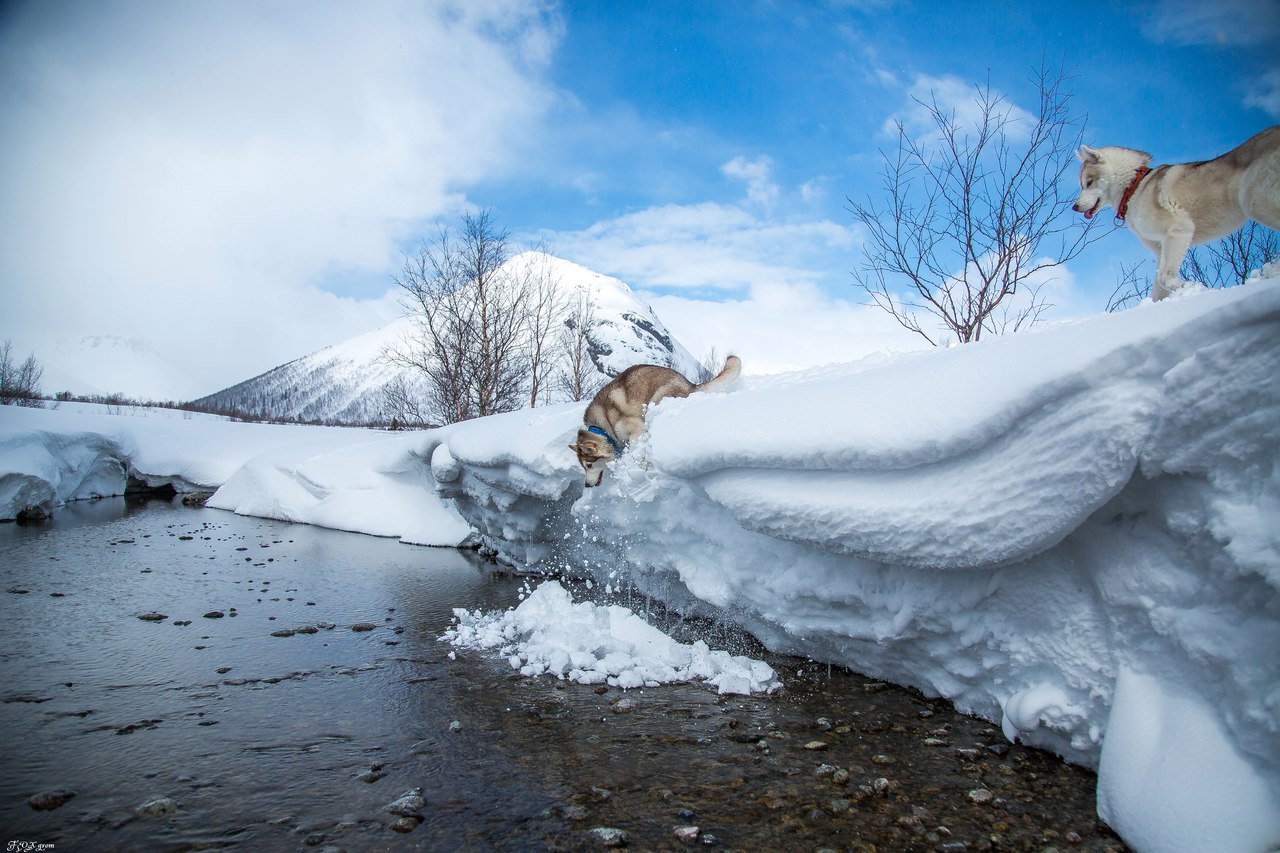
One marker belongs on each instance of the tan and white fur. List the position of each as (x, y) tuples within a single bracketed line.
[(1173, 208), (619, 408)]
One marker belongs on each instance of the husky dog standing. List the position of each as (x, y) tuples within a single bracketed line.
[(1172, 208), (616, 415)]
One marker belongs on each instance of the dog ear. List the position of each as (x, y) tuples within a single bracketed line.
[(1088, 155)]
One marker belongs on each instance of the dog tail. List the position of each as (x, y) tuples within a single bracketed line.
[(722, 381)]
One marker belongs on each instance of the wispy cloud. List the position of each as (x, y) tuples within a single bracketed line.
[(780, 327), (1264, 94), (960, 101), (709, 246), (1224, 23), (757, 174)]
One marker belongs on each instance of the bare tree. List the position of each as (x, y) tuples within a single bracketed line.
[(483, 339), (1222, 263), (402, 403), (546, 306), (20, 383), (974, 215), (470, 338), (1230, 261), (577, 377), (436, 347)]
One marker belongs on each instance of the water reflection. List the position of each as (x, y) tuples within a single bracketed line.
[(209, 704)]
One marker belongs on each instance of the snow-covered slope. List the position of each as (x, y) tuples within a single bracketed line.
[(345, 383), (342, 383)]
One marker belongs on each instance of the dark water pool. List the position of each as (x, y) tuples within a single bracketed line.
[(248, 711)]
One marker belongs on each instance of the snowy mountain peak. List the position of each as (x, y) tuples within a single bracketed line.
[(347, 382)]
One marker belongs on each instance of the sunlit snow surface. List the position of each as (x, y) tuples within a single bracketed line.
[(1073, 532)]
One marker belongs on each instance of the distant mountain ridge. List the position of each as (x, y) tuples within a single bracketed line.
[(347, 383)]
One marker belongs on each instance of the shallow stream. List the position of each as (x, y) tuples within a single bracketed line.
[(180, 679)]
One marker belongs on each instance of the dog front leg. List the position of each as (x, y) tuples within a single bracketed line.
[(1177, 240)]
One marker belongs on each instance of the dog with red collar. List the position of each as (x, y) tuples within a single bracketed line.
[(1172, 208)]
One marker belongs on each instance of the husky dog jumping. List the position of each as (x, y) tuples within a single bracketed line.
[(1172, 208), (616, 414)]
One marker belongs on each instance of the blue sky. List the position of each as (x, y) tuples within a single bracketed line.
[(226, 186)]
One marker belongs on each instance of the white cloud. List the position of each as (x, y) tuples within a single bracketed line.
[(960, 102), (1264, 94), (710, 246), (764, 232), (757, 175), (188, 173)]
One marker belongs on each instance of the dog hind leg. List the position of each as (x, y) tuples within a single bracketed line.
[(1260, 191)]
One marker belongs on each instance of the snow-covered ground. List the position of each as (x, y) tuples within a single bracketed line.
[(1074, 531)]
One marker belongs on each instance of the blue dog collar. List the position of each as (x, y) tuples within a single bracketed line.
[(598, 431)]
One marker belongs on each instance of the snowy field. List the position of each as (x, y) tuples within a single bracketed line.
[(1074, 532)]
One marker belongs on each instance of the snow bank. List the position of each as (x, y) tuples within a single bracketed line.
[(347, 479), (1073, 532), (549, 634)]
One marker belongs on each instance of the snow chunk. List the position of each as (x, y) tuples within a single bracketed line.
[(550, 634), (1026, 709)]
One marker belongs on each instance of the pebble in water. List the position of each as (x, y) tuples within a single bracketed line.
[(407, 823), (609, 836), (687, 834), (981, 796), (158, 807), (407, 804), (47, 801)]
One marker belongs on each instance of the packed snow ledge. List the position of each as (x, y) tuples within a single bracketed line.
[(1074, 532)]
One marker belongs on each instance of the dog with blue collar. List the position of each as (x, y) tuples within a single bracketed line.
[(616, 414)]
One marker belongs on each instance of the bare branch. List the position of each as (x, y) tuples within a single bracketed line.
[(974, 217)]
